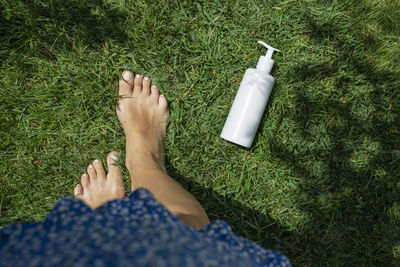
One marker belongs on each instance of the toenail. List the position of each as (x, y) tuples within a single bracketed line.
[(154, 86), (96, 161), (114, 157), (146, 78), (162, 95), (138, 76), (127, 75), (90, 166)]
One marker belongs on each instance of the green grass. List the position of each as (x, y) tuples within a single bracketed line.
[(322, 180)]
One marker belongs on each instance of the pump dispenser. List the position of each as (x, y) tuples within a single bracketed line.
[(250, 101)]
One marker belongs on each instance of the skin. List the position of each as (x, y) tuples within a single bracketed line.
[(142, 112)]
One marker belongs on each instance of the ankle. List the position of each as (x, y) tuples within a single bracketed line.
[(143, 160), (142, 148)]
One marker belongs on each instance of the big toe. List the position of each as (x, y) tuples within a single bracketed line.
[(113, 171), (78, 191), (163, 103), (126, 83)]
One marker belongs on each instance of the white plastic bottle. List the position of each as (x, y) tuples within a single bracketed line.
[(250, 101)]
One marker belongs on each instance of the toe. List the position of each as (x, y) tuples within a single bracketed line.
[(91, 172), (163, 103), (126, 83), (98, 166), (85, 181), (155, 92), (113, 170), (78, 190), (146, 86), (113, 157), (137, 85)]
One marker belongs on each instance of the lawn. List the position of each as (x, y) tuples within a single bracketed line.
[(322, 180)]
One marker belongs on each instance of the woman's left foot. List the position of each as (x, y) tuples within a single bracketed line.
[(97, 187)]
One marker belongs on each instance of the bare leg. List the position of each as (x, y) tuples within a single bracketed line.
[(143, 113)]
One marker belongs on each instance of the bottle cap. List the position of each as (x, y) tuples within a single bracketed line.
[(265, 63)]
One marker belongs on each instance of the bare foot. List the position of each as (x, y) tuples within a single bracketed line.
[(96, 187), (143, 113)]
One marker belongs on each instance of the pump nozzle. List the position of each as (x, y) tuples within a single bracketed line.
[(270, 49), (265, 62)]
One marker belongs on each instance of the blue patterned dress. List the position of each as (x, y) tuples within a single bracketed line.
[(134, 231)]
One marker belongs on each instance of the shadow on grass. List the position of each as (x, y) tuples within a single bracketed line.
[(352, 204), (244, 220), (49, 26)]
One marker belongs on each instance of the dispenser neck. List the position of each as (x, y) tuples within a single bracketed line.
[(266, 63)]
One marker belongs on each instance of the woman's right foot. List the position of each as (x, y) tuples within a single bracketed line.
[(142, 112)]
